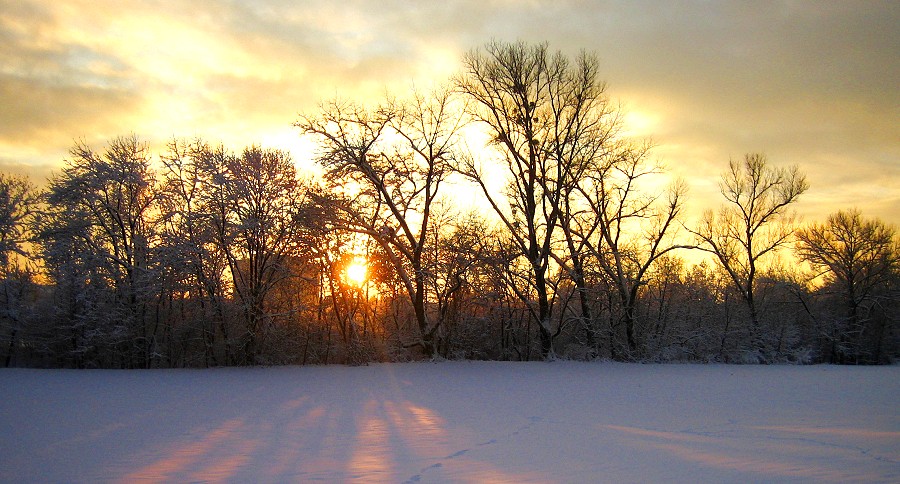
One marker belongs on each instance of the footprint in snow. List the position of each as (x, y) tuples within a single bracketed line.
[(418, 477), (456, 454)]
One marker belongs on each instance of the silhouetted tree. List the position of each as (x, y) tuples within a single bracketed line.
[(386, 166), (753, 224), (545, 116), (18, 203), (633, 228), (857, 256)]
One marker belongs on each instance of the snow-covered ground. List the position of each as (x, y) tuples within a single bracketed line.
[(454, 422)]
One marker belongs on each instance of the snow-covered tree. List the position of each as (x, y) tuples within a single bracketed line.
[(18, 203), (254, 199), (96, 237)]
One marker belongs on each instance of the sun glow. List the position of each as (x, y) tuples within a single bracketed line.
[(356, 272)]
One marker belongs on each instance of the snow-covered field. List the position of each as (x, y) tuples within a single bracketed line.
[(454, 422)]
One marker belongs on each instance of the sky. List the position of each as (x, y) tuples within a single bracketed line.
[(807, 83)]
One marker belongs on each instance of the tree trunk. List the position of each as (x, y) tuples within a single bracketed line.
[(422, 318), (12, 347), (587, 317), (546, 337), (628, 317)]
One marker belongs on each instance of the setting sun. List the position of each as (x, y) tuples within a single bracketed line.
[(356, 272)]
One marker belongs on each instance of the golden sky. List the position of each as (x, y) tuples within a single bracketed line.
[(813, 83)]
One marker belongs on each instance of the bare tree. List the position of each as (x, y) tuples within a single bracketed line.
[(633, 228), (452, 262), (753, 224), (548, 120), (388, 164), (855, 254)]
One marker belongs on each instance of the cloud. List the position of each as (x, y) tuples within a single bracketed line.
[(807, 83)]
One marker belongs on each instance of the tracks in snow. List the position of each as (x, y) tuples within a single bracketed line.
[(532, 421)]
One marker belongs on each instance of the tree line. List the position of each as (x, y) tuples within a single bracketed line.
[(201, 256)]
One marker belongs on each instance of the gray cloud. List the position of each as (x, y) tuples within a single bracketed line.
[(812, 83), (36, 112)]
